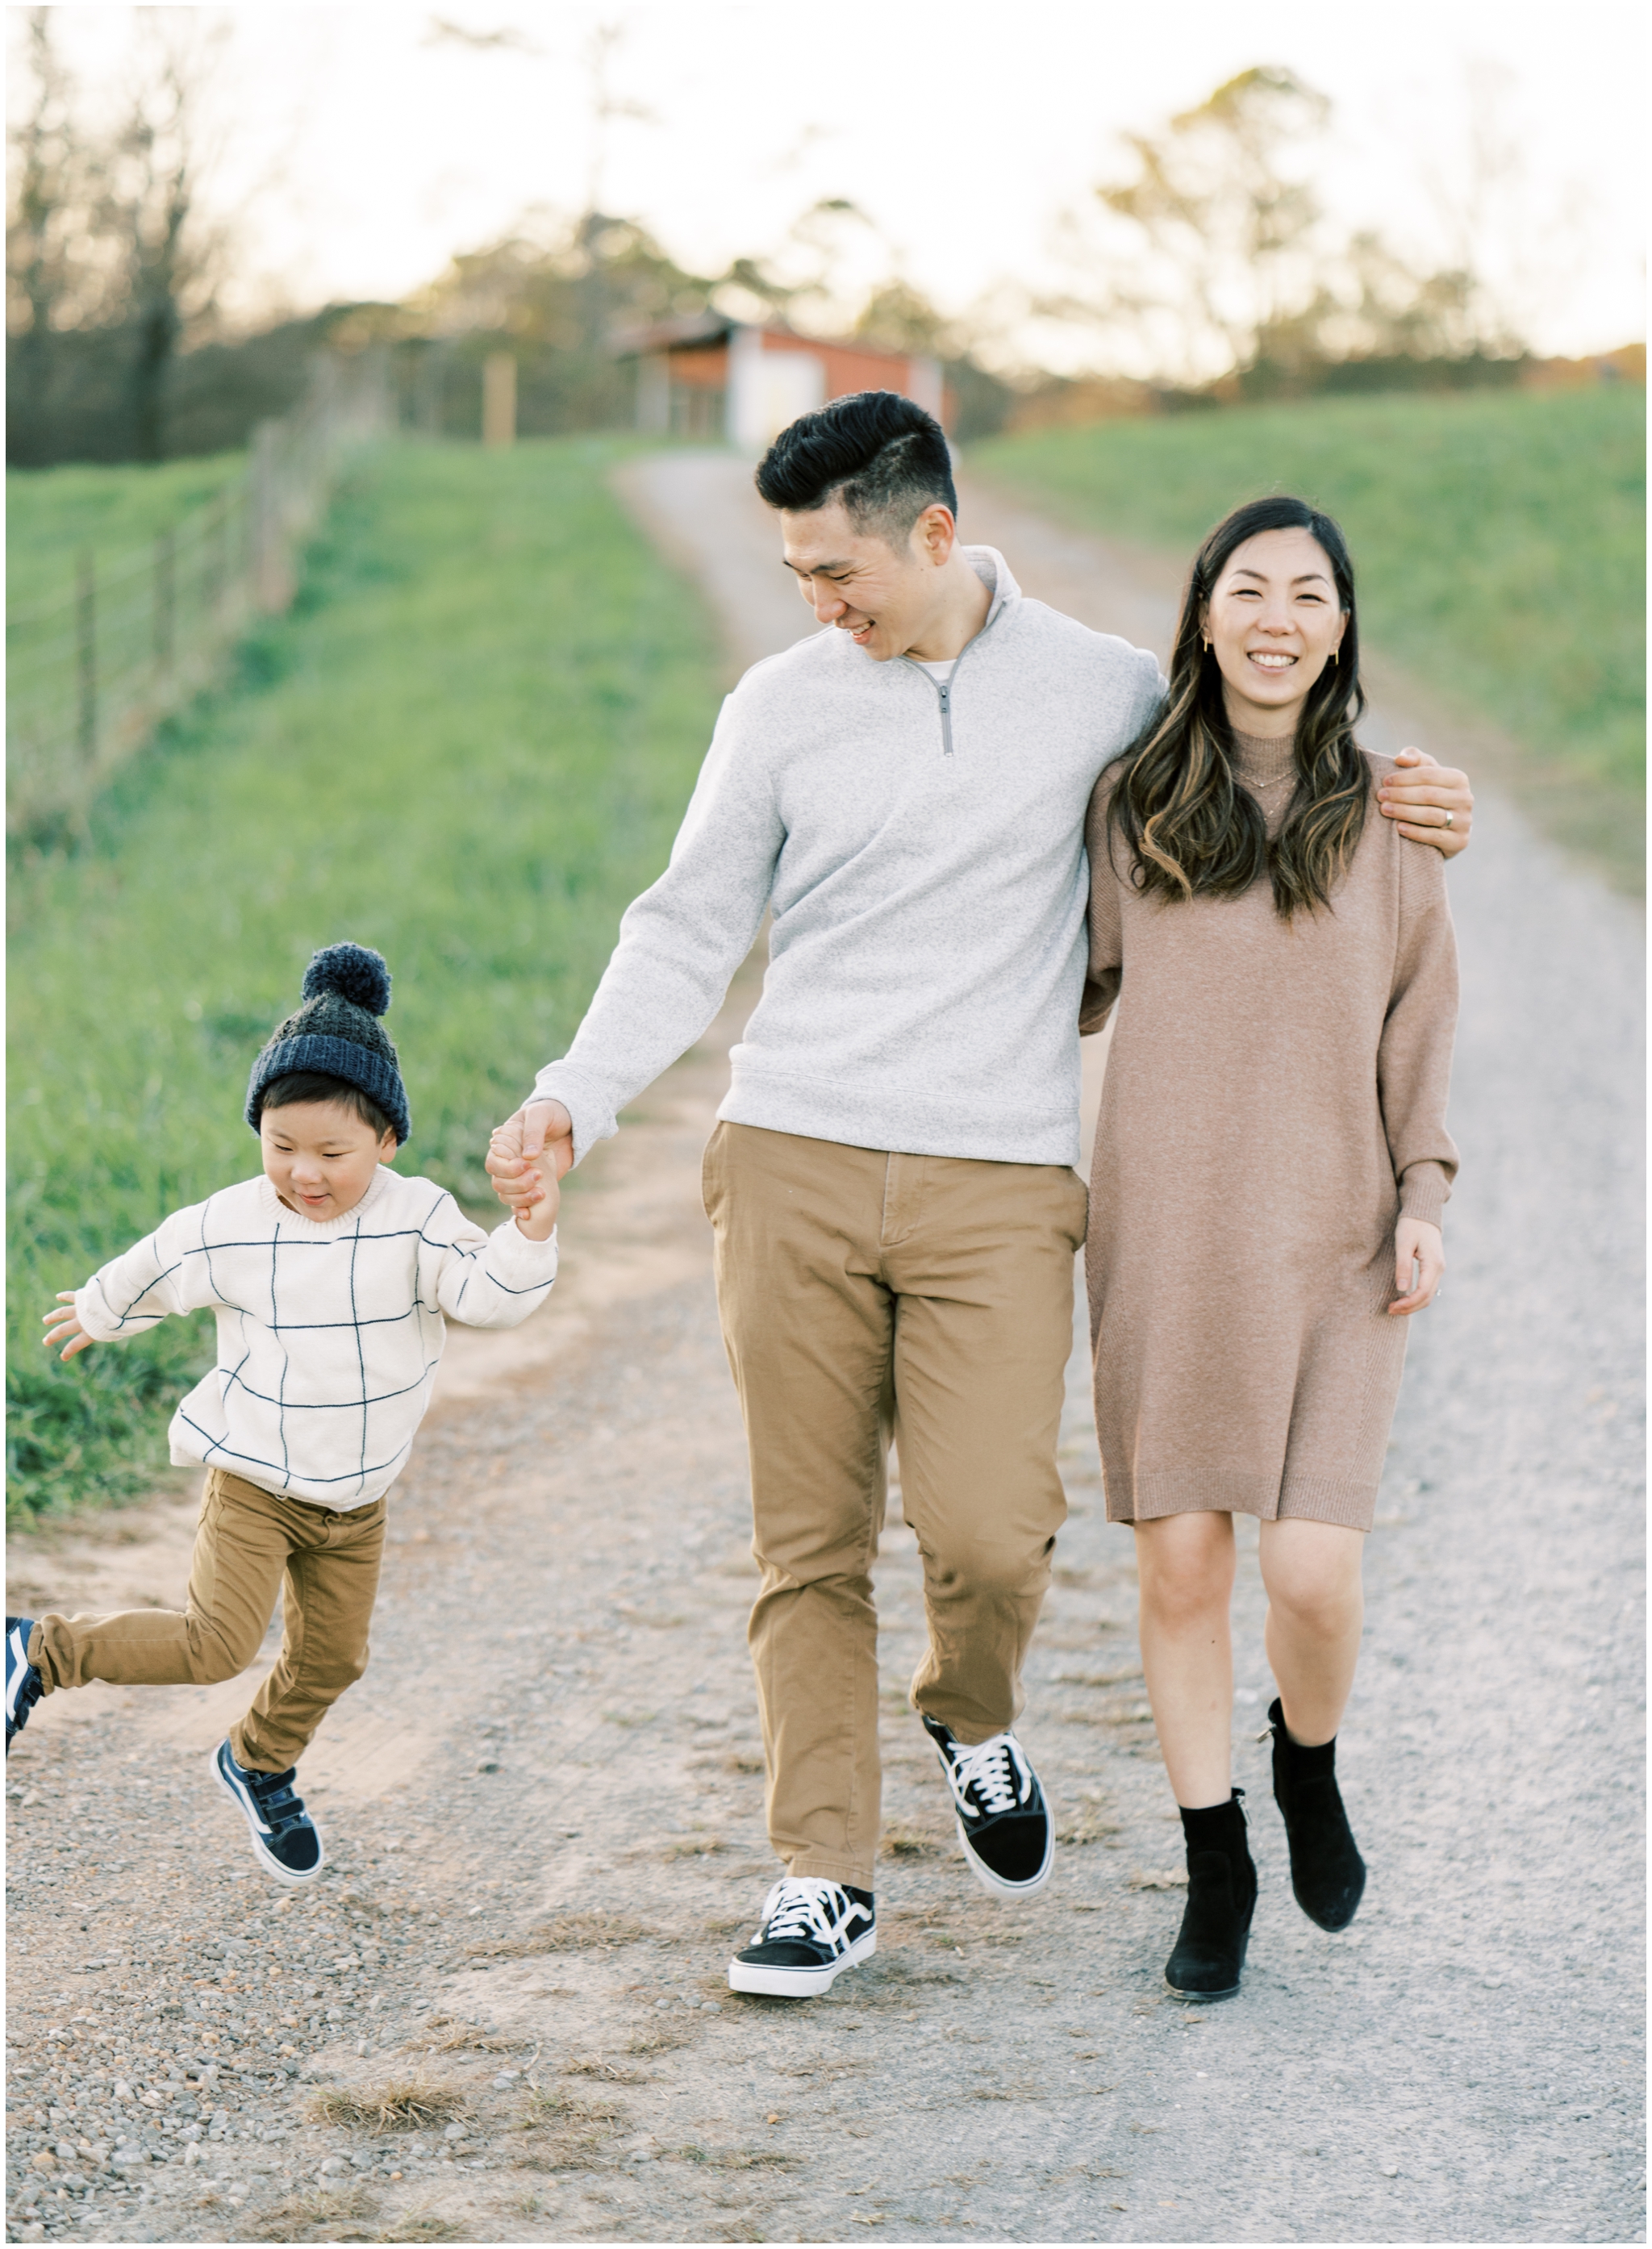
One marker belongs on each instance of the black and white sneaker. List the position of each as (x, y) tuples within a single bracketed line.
[(811, 1930), (1003, 1822), (23, 1687), (285, 1840)]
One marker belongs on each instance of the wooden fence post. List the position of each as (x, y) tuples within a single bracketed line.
[(85, 688), (269, 558), (499, 399), (209, 600), (243, 499), (165, 594), (432, 388), (86, 651), (221, 542), (373, 415)]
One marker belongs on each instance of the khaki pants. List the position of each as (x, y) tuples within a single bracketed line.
[(864, 1296), (249, 1545)]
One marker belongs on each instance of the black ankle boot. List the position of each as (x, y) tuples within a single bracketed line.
[(1222, 1897), (1327, 1873)]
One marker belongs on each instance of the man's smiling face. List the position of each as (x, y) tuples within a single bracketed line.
[(882, 596)]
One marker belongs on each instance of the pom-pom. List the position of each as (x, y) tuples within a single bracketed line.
[(354, 972)]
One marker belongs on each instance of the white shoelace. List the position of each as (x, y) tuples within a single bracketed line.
[(801, 1911), (991, 1777)]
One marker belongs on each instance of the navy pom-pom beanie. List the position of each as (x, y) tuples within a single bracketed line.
[(336, 1032)]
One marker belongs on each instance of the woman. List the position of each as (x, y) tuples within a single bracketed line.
[(1271, 1168)]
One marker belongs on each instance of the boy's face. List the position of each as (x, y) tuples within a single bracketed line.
[(320, 1157)]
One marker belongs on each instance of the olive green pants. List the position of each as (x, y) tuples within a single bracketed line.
[(869, 1296), (249, 1546)]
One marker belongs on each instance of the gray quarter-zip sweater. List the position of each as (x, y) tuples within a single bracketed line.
[(922, 848)]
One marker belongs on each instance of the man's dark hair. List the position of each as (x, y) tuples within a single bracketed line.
[(881, 454), (311, 1085)]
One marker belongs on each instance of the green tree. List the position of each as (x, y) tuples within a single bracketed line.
[(564, 303), (1217, 257)]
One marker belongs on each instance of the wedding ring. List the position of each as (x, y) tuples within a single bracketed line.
[(1447, 820)]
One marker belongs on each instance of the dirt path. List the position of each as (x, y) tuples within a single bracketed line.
[(543, 1808)]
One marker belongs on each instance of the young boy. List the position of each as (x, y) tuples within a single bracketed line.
[(329, 1275)]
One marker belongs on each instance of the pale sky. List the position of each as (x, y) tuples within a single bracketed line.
[(361, 154)]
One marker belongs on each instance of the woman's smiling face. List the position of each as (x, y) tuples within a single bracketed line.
[(1274, 622)]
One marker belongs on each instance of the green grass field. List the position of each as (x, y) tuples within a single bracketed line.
[(469, 745), (52, 514), (1498, 539)]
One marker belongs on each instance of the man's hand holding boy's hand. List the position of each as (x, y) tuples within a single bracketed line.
[(64, 1327), (526, 1156)]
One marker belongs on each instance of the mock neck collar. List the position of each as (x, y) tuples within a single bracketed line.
[(996, 574), (1261, 758), (322, 1229)]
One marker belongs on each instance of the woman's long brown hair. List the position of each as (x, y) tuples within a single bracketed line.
[(1192, 830)]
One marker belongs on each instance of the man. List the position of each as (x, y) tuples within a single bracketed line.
[(891, 1183)]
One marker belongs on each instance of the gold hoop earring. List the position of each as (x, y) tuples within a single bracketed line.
[(1335, 658), (1207, 647)]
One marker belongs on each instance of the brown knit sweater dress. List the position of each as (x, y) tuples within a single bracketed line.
[(1275, 1092)]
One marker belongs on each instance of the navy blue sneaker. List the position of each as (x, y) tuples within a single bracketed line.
[(285, 1840), (23, 1688), (811, 1930), (1003, 1821)]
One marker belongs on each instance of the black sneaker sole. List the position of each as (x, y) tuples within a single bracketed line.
[(996, 1883), (799, 1982), (19, 1701), (266, 1858)]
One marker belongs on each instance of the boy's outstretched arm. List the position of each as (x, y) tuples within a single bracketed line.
[(63, 1326), (489, 1280), (166, 1274)]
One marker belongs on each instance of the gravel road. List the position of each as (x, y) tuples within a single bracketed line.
[(500, 2014)]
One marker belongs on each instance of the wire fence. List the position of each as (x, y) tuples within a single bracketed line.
[(92, 669)]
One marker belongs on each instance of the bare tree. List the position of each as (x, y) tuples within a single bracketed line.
[(609, 107), (602, 243), (1517, 252), (168, 256), (443, 31), (111, 259), (599, 53), (46, 203)]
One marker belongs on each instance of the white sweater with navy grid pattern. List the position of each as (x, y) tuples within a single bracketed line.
[(329, 1334)]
